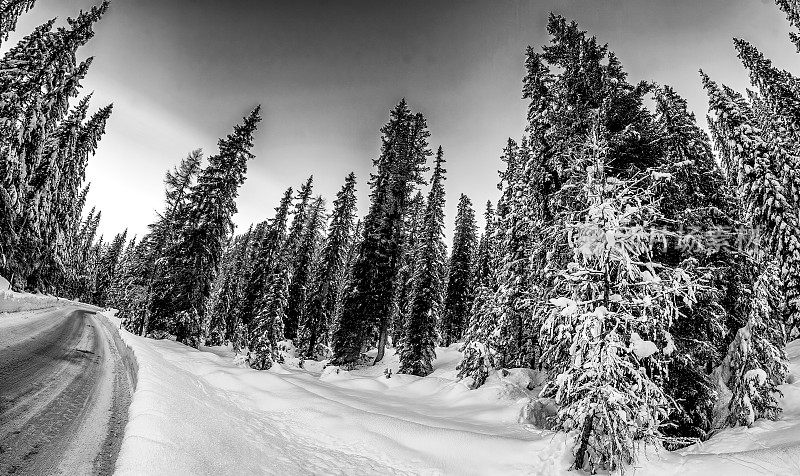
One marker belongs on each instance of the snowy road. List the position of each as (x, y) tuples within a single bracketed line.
[(64, 393)]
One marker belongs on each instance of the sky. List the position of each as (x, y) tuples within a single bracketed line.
[(181, 73)]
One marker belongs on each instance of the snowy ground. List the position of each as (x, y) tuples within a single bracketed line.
[(13, 302), (198, 412)]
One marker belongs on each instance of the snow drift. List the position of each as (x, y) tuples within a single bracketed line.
[(199, 412)]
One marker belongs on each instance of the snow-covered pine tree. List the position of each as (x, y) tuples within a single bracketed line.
[(222, 304), (778, 119), (305, 261), (792, 11), (460, 287), (412, 226), (417, 347), (108, 269), (694, 199), (192, 262), (368, 297), (299, 268), (263, 258), (477, 361), (512, 341), (755, 363), (350, 255), (162, 235), (607, 335), (752, 168), (43, 146), (321, 308), (10, 11)]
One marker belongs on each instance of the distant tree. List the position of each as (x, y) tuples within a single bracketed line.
[(460, 286), (417, 348), (263, 259), (321, 306), (221, 307), (368, 297), (192, 262), (300, 264), (477, 359), (411, 230), (306, 262), (164, 231), (108, 269)]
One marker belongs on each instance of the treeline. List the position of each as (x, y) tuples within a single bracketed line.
[(655, 285), (46, 244)]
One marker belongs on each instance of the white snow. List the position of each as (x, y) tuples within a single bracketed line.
[(642, 348), (14, 302), (198, 412), (758, 375)]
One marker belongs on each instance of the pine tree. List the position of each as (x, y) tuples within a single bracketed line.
[(366, 306), (10, 11), (694, 199), (513, 343), (265, 328), (223, 300), (752, 160), (192, 263), (607, 333), (411, 230), (477, 361), (263, 259), (300, 265), (460, 288), (417, 349), (321, 307), (43, 147), (164, 231), (108, 269), (306, 261)]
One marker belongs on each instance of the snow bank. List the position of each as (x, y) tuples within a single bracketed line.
[(11, 301), (766, 448), (197, 412), (205, 412)]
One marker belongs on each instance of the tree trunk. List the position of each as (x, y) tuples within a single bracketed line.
[(382, 341), (580, 454)]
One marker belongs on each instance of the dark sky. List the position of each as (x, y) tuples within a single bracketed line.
[(181, 73)]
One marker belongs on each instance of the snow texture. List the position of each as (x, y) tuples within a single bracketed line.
[(199, 412), (14, 302)]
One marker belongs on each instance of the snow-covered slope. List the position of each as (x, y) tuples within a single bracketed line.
[(197, 412), (15, 302)]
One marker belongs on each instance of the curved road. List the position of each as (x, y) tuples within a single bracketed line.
[(64, 393)]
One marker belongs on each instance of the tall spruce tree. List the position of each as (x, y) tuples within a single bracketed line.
[(411, 230), (164, 231), (263, 259), (460, 285), (366, 306), (607, 333), (306, 261), (108, 269), (751, 168), (417, 348), (476, 363), (300, 264), (10, 11), (44, 146), (321, 307), (192, 262), (223, 300)]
